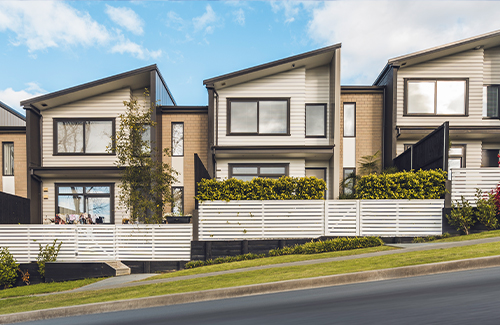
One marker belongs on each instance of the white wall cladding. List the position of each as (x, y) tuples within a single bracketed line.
[(492, 66), (468, 64), (318, 92), (465, 181), (100, 243), (102, 106), (220, 220), (295, 169)]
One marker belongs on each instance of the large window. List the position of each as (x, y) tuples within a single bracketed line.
[(177, 139), (258, 116), (490, 158), (316, 120), (85, 203), (436, 97), (491, 101), (8, 159), (349, 120), (247, 172), (83, 136)]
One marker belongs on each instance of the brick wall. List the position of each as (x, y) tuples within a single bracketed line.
[(195, 141), (20, 170)]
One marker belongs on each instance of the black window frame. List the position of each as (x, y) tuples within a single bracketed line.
[(343, 119), (436, 80), (257, 99), (498, 102), (462, 156), (325, 120), (3, 158), (345, 177), (182, 198), (83, 120), (111, 196), (172, 138), (259, 165)]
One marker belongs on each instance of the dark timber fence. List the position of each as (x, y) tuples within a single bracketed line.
[(14, 209)]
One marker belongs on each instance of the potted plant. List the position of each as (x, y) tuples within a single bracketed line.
[(178, 218)]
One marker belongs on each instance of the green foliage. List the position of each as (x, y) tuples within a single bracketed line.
[(332, 245), (347, 186), (8, 268), (430, 238), (486, 212), (284, 188), (461, 215), (370, 164), (47, 254), (146, 180), (220, 260), (421, 184)]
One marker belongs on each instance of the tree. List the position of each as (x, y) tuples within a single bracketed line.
[(370, 164), (145, 189)]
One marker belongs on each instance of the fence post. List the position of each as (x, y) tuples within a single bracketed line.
[(359, 231), (326, 231)]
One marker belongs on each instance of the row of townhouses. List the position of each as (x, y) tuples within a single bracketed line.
[(287, 117)]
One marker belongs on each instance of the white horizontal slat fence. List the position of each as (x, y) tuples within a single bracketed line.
[(100, 243), (219, 220), (465, 181)]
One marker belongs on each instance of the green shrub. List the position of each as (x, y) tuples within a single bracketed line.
[(220, 260), (284, 188), (8, 268), (47, 254), (461, 215), (421, 184), (331, 245), (486, 212)]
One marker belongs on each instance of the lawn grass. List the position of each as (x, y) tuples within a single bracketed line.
[(485, 234), (13, 305), (45, 288)]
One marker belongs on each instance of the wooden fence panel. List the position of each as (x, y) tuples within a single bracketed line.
[(465, 181)]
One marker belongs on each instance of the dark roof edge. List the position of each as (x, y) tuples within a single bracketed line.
[(361, 89), (89, 84), (272, 64), (13, 111), (183, 109), (17, 128), (382, 74), (314, 147)]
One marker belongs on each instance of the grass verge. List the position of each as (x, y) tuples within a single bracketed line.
[(485, 234), (14, 305), (40, 288)]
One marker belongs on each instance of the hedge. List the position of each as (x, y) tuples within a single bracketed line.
[(284, 188), (421, 184)]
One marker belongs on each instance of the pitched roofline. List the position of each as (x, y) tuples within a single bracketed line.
[(382, 74), (271, 64), (13, 111), (94, 84)]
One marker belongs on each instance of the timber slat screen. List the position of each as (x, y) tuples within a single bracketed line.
[(100, 243), (465, 181), (220, 220)]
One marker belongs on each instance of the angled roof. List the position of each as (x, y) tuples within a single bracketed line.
[(483, 41), (10, 119), (12, 111), (310, 59), (134, 79)]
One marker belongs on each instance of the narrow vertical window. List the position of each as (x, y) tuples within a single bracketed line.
[(316, 120), (349, 120), (490, 101), (8, 158), (349, 179), (178, 204), (177, 139)]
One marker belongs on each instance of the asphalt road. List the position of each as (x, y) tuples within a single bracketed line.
[(467, 297)]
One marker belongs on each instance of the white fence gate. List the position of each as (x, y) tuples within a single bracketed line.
[(220, 220), (100, 243), (465, 181)]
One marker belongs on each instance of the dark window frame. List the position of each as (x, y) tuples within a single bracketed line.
[(405, 100), (258, 165), (463, 157), (257, 99), (3, 156), (172, 139), (111, 196), (343, 120), (182, 198), (498, 103), (344, 176), (84, 120), (325, 120)]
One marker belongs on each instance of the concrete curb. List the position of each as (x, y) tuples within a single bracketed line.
[(324, 281)]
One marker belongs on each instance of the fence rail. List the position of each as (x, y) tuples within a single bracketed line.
[(100, 243), (220, 220), (465, 181)]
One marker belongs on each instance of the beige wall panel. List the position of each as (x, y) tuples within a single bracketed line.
[(20, 169), (318, 92), (492, 66)]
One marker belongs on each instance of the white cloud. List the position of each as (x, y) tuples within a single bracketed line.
[(124, 45), (292, 9), (175, 21), (207, 21), (380, 30), (12, 97), (126, 18), (239, 16)]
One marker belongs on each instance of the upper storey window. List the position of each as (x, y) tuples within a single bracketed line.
[(83, 136), (436, 97), (258, 116), (316, 120), (490, 101)]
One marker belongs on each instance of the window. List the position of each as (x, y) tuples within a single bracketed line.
[(247, 172), (316, 120), (348, 183), (91, 202), (349, 120), (456, 158), (490, 158), (258, 116), (83, 136), (436, 97), (8, 158), (177, 139), (319, 173), (490, 101), (178, 204)]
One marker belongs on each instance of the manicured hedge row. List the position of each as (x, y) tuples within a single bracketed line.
[(313, 247), (421, 184), (284, 188)]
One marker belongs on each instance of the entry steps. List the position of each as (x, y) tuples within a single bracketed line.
[(119, 267)]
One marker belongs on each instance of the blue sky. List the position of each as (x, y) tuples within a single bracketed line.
[(47, 46)]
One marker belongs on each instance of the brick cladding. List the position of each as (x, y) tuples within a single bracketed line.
[(20, 171)]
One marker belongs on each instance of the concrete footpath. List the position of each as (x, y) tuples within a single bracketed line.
[(377, 275)]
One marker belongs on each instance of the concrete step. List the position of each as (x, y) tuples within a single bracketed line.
[(120, 268)]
